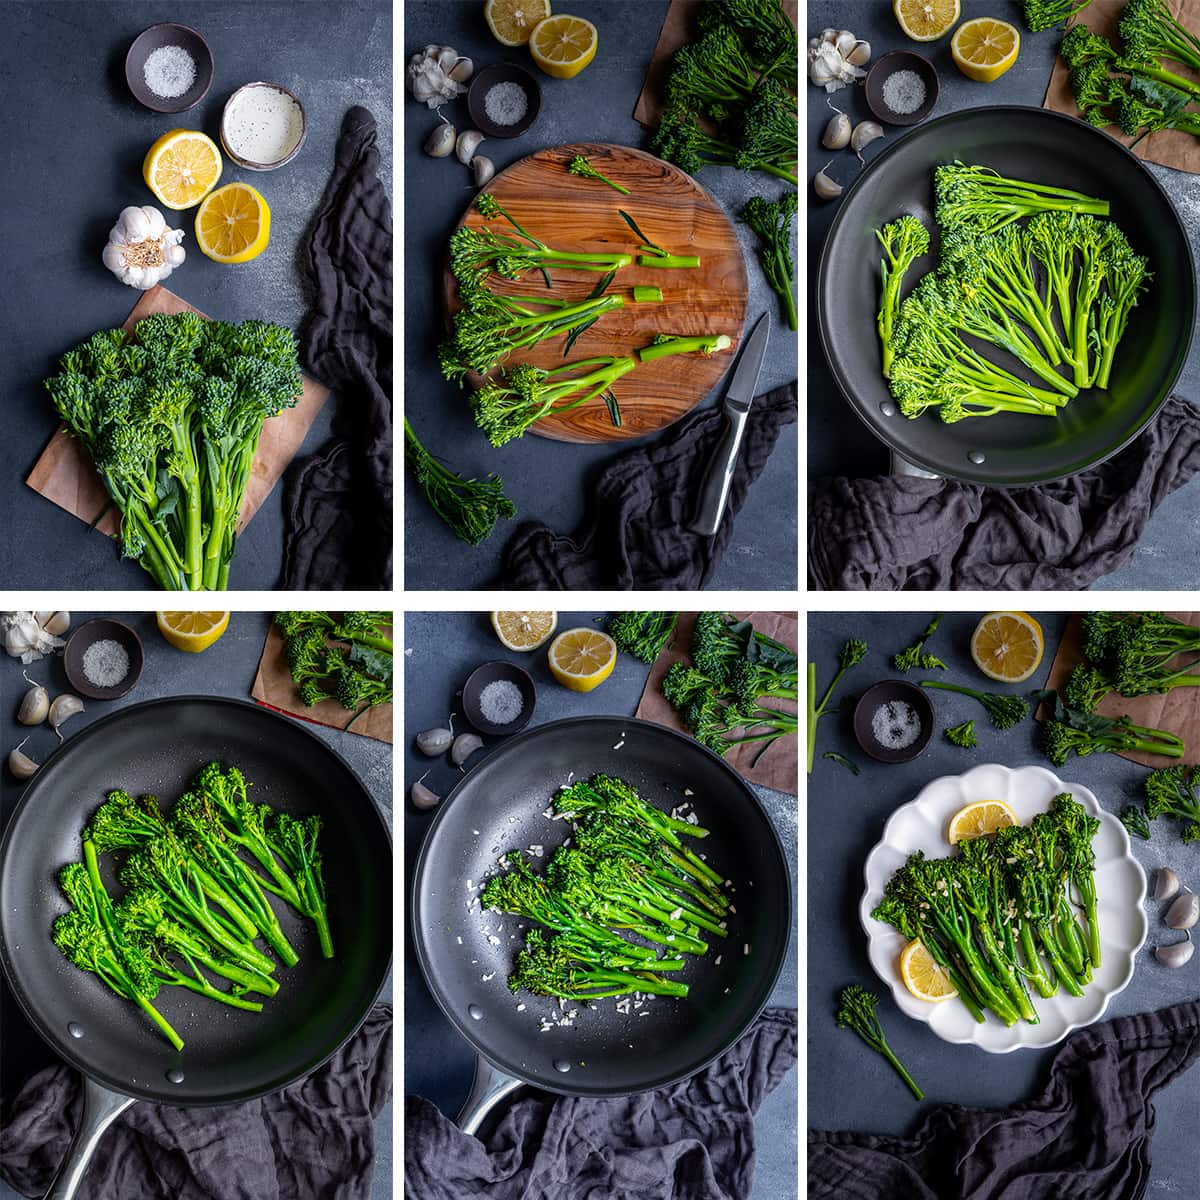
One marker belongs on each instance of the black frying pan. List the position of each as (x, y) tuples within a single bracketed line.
[(603, 1052), (229, 1055), (1008, 450)]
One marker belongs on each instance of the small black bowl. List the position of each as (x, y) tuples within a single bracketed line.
[(888, 64), (885, 692), (154, 38), (490, 672), (99, 630), (486, 79)]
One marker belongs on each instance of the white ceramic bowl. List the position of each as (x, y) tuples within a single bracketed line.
[(1120, 885)]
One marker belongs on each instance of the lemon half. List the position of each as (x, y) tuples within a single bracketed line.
[(192, 631), (562, 46), (926, 20), (524, 630), (979, 819), (512, 21), (233, 224), (1008, 646), (582, 659), (182, 167), (983, 49)]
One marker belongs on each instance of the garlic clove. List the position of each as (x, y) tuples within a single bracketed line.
[(464, 746), (860, 54), (433, 742), (829, 36), (175, 256), (837, 132), (820, 73), (1166, 884), (462, 70), (134, 224), (468, 142), (422, 797), (441, 141), (1177, 955), (844, 42), (20, 764), (62, 709), (1185, 912), (55, 623), (35, 704), (483, 168), (446, 57), (826, 188), (865, 132)]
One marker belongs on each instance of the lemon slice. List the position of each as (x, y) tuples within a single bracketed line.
[(1008, 646), (582, 659), (985, 48), (182, 167), (233, 224), (923, 977), (512, 21), (524, 630), (926, 20), (192, 631), (976, 820), (563, 46)]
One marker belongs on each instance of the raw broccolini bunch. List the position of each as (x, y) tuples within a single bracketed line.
[(358, 677), (198, 879), (721, 698), (171, 418)]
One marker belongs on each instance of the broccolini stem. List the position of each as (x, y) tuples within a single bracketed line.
[(811, 705), (686, 261), (647, 295)]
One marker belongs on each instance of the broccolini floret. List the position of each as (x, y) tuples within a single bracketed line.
[(856, 1011), (903, 240)]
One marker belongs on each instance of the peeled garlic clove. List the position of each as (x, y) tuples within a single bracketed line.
[(844, 42), (20, 764), (860, 54), (1185, 912), (837, 132), (464, 746), (35, 704), (484, 169), (57, 623), (468, 143), (63, 709), (865, 132), (826, 188), (434, 741), (440, 142), (422, 797), (1176, 955), (462, 70), (1166, 884)]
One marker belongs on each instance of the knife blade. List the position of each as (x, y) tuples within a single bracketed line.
[(739, 396)]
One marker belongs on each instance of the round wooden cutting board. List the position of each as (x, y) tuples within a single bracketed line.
[(674, 211)]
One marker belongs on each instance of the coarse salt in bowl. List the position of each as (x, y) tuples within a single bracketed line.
[(263, 126)]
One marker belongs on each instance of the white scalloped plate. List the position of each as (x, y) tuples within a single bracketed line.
[(1120, 884)]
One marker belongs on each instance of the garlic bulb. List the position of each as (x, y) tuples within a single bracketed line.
[(438, 74), (836, 59), (141, 250), (28, 638)]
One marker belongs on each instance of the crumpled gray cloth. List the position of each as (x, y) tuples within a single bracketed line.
[(1086, 1137), (891, 534), (692, 1141), (315, 1139)]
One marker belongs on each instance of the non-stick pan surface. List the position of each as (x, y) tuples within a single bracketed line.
[(1046, 147), (229, 1055), (500, 806)]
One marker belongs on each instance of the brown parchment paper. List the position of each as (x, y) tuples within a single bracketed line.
[(1177, 712), (274, 688), (1170, 147), (678, 28), (779, 767), (64, 474)]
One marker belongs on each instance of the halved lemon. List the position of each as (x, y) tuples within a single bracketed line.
[(563, 46), (524, 630), (512, 21), (1008, 646), (582, 659), (192, 631), (926, 20), (978, 819), (182, 167), (983, 49), (233, 224), (923, 977)]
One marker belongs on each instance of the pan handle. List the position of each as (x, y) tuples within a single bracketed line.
[(101, 1108), (488, 1088), (901, 466)]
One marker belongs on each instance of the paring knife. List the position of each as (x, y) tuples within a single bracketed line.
[(739, 395)]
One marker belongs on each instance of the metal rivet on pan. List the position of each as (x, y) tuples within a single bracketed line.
[(75, 1029), (475, 1012), (977, 457), (175, 1075), (561, 1064), (888, 408)]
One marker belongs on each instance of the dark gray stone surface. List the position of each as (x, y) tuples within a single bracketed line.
[(73, 140), (548, 481), (846, 815), (1168, 555), (441, 650), (226, 668)]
